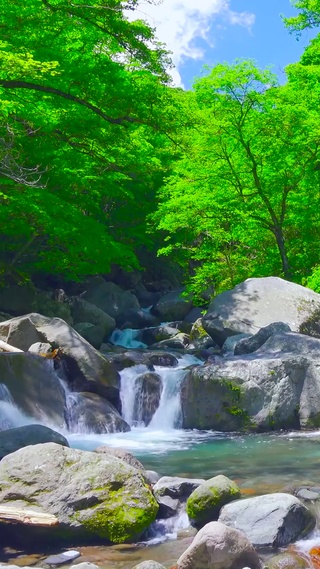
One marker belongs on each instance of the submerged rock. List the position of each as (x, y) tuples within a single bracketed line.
[(94, 496), (148, 389), (91, 413)]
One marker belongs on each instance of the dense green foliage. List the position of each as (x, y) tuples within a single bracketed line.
[(99, 155)]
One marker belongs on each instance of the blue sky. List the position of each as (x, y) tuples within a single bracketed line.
[(202, 32)]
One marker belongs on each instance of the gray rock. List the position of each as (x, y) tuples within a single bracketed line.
[(255, 303), (86, 368), (265, 391), (288, 560), (162, 359), (217, 328), (62, 558), (273, 520), (176, 487), (83, 311), (148, 389), (18, 299), (91, 413), (92, 495), (168, 507), (178, 342), (194, 314), (112, 299), (307, 495), (152, 476), (123, 455), (172, 306), (137, 319), (232, 341), (34, 387), (12, 440), (156, 334), (204, 504), (93, 334), (291, 343), (51, 308), (249, 345), (217, 546)]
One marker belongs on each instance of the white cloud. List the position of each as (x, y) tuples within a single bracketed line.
[(179, 24)]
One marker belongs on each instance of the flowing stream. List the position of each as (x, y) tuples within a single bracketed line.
[(258, 463)]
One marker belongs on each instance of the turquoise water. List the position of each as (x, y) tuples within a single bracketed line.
[(267, 462)]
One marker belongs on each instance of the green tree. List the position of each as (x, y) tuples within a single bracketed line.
[(241, 200), (84, 91), (308, 17)]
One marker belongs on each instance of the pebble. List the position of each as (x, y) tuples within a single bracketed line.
[(305, 494)]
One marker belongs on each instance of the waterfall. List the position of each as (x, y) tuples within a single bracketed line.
[(168, 414)]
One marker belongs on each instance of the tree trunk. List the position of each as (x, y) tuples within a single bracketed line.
[(278, 233)]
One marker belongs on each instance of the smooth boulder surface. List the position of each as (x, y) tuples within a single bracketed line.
[(171, 491), (123, 455), (83, 311), (217, 546), (19, 437), (87, 369), (94, 496), (204, 504), (273, 520), (34, 388), (261, 391), (258, 302), (149, 565)]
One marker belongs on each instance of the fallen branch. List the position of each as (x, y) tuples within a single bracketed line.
[(4, 347), (28, 517)]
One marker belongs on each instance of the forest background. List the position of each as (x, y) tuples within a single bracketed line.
[(102, 159)]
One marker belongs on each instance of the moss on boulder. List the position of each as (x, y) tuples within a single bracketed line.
[(203, 505)]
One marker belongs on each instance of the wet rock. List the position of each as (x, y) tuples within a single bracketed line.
[(86, 369), (93, 334), (91, 413), (204, 504), (273, 520), (177, 342), (153, 476), (34, 387), (287, 561), (307, 495), (168, 507), (217, 546), (111, 299), (13, 439), (232, 341), (148, 389), (162, 359), (153, 335)]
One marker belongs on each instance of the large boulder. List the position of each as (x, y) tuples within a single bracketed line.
[(255, 303), (273, 520), (90, 332), (206, 501), (217, 546), (86, 368), (156, 334), (91, 413), (172, 306), (123, 455), (148, 389), (14, 439), (94, 496), (83, 311), (262, 391), (18, 299), (111, 299), (34, 387)]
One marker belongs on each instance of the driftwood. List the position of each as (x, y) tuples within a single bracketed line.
[(4, 347), (28, 517)]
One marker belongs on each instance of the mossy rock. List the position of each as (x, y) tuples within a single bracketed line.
[(204, 504)]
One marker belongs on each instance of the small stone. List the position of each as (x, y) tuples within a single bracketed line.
[(86, 565), (305, 494), (63, 557)]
